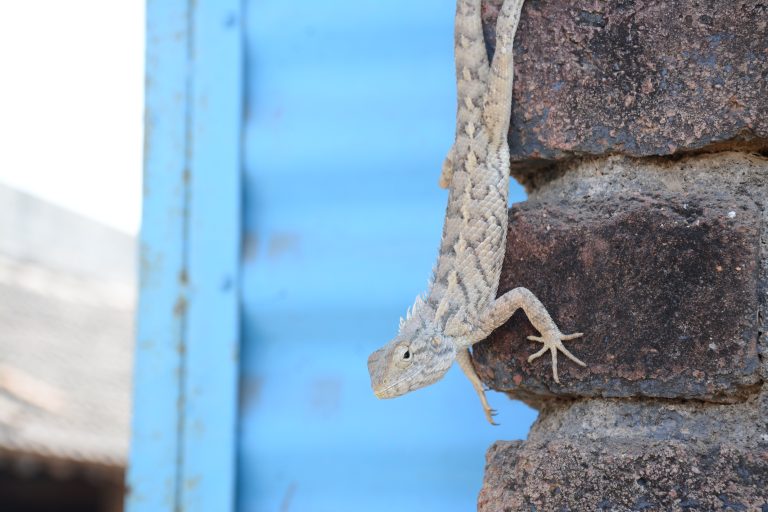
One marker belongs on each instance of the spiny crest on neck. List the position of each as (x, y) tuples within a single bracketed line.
[(417, 316), (420, 312)]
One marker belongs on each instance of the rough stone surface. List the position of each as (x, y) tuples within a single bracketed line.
[(661, 262), (653, 475), (629, 420), (639, 78), (634, 454), (658, 263), (763, 313)]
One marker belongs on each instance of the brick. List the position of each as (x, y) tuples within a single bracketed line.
[(664, 282), (621, 476), (637, 78)]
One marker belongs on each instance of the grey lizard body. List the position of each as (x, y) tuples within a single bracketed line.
[(460, 307)]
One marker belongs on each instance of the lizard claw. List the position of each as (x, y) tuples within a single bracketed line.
[(489, 414), (553, 341)]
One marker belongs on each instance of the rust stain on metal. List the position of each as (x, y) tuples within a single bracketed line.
[(283, 244), (180, 307), (193, 482), (285, 506), (250, 246), (250, 391)]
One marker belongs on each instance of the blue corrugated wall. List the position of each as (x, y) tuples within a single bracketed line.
[(347, 112), (350, 112)]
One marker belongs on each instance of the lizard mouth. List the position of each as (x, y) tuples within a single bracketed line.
[(382, 393)]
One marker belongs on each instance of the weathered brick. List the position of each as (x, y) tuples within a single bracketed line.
[(655, 77), (621, 476), (657, 266)]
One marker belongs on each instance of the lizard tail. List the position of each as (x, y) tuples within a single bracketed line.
[(497, 104), (471, 57), (472, 70)]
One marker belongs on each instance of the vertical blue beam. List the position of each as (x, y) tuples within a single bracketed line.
[(152, 473), (212, 356), (185, 392)]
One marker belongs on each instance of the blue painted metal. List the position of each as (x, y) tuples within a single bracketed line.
[(350, 112), (213, 323), (183, 443), (152, 473)]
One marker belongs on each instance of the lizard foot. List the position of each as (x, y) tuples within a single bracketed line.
[(553, 341), (489, 413)]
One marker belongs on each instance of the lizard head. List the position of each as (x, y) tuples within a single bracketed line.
[(418, 356)]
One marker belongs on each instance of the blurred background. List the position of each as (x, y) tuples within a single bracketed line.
[(347, 113), (71, 100)]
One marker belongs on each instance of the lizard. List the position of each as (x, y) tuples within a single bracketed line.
[(460, 307)]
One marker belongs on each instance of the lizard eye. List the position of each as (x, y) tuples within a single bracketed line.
[(403, 356)]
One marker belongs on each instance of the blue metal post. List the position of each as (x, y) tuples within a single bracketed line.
[(212, 358), (185, 391), (152, 471)]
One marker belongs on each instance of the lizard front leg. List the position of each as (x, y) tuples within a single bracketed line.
[(505, 306), (446, 176)]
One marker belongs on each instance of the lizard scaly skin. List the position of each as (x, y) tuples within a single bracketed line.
[(460, 307)]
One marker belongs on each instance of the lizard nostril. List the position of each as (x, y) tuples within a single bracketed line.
[(373, 360), (375, 368)]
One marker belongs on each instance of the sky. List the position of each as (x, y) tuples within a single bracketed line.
[(71, 102)]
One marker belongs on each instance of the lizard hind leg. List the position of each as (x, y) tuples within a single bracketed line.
[(465, 362)]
